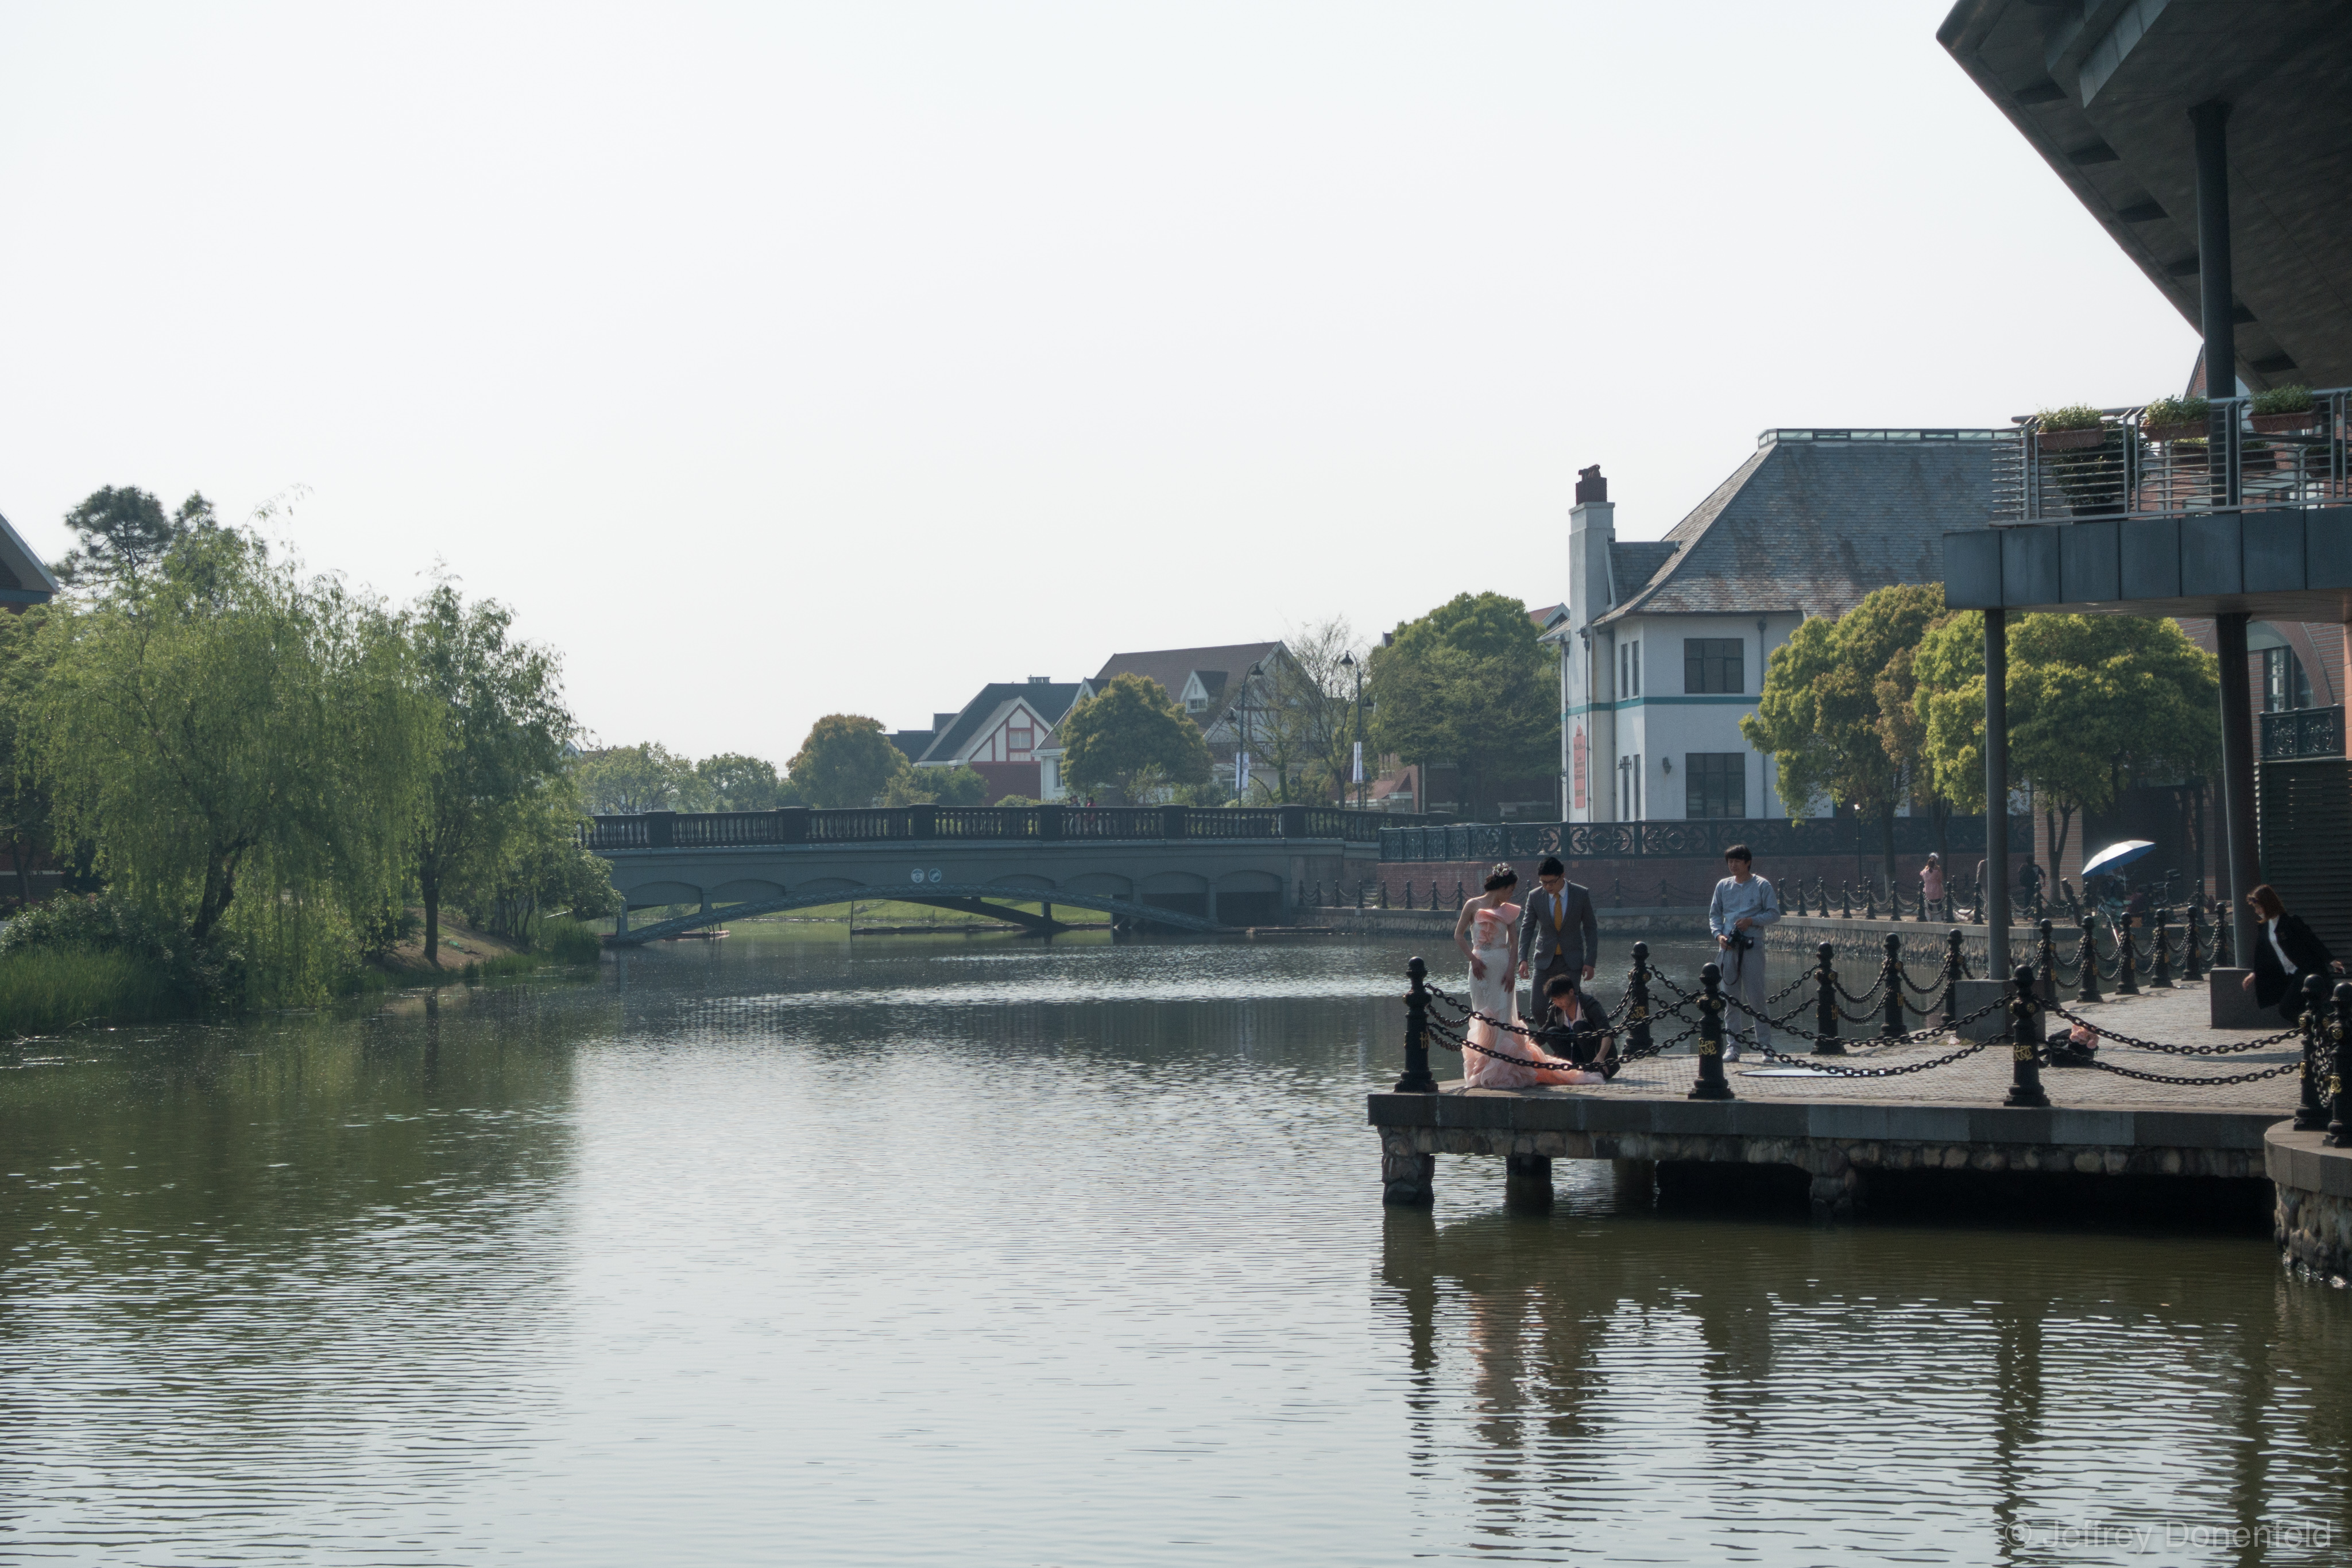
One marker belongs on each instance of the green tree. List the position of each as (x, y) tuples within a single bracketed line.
[(24, 800), (1132, 736), (2093, 700), (1819, 716), (538, 869), (1469, 685), (503, 728), (847, 760), (623, 780), (912, 786), (219, 723), (125, 531), (731, 782)]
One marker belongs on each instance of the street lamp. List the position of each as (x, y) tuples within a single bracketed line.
[(1241, 758), (1348, 662)]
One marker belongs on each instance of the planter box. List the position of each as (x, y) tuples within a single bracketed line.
[(2197, 431), (2070, 440), (2288, 423)]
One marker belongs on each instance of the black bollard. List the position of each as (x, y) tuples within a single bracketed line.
[(1845, 900), (2126, 961), (2162, 979), (2024, 1042), (2339, 1069), (2047, 951), (2190, 969), (1384, 893), (1869, 899), (1956, 969), (1826, 1003), (1417, 1079), (1360, 893), (1799, 882), (1891, 976), (1407, 892), (1925, 913), (2311, 1112), (1711, 1084), (2225, 951), (1637, 1009), (2088, 958)]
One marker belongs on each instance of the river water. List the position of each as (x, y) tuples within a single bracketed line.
[(790, 1249)]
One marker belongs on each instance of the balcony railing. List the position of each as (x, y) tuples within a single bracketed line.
[(2302, 733), (1046, 824), (2131, 466)]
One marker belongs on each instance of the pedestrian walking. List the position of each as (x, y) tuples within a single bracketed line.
[(1744, 903)]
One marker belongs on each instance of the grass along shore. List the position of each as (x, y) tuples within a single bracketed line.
[(49, 990)]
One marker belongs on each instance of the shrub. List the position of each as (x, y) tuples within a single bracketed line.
[(105, 924), (45, 989), (2176, 411), (2073, 416), (2296, 398), (567, 941)]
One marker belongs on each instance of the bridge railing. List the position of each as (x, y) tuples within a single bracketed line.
[(803, 825), (1697, 838)]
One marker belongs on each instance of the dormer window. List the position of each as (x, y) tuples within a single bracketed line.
[(1195, 703)]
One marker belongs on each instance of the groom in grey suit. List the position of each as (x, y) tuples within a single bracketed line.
[(1558, 933)]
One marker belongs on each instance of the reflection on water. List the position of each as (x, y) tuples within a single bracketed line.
[(780, 1249)]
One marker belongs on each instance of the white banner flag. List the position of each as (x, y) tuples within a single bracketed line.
[(1359, 778), (1241, 775)]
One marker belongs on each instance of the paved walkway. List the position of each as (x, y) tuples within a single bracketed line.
[(2175, 1017)]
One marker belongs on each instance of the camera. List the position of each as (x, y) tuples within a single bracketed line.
[(1740, 941)]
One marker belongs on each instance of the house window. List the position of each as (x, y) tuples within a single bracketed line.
[(1020, 737), (1637, 670), (1715, 783), (1623, 688), (1713, 664)]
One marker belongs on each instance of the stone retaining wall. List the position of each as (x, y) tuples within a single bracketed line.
[(2313, 1222)]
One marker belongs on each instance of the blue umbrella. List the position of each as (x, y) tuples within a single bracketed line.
[(2117, 856)]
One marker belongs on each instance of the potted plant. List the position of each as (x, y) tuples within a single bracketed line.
[(2284, 411), (2084, 454), (2076, 428), (2176, 419)]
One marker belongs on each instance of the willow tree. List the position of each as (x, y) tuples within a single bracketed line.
[(2093, 700), (1819, 715), (245, 745)]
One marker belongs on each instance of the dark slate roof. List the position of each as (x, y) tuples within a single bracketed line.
[(23, 577), (913, 742), (1169, 666), (1052, 699), (1811, 526)]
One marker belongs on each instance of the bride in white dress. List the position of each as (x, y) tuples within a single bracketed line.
[(1488, 935)]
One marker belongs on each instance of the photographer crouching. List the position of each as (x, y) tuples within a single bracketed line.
[(1744, 903)]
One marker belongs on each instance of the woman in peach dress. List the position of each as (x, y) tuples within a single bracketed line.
[(1488, 935)]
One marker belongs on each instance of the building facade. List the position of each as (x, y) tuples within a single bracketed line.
[(1664, 645), (997, 734)]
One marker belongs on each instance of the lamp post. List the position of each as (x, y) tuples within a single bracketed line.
[(1348, 662)]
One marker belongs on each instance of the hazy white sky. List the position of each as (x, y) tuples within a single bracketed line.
[(777, 361)]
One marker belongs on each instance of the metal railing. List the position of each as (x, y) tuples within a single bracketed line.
[(2131, 466), (2303, 732), (801, 825), (1699, 839)]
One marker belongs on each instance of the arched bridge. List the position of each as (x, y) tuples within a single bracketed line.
[(1171, 866)]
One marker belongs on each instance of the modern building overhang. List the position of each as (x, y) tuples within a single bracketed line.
[(2284, 564), (2103, 89)]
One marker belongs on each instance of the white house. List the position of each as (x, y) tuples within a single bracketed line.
[(1663, 647)]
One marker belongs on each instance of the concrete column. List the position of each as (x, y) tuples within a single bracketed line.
[(1996, 750), (620, 920), (2217, 297), (2239, 832)]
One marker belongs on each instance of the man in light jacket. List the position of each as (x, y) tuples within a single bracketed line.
[(1744, 903), (1558, 933)]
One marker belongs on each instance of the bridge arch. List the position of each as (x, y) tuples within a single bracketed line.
[(981, 897)]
